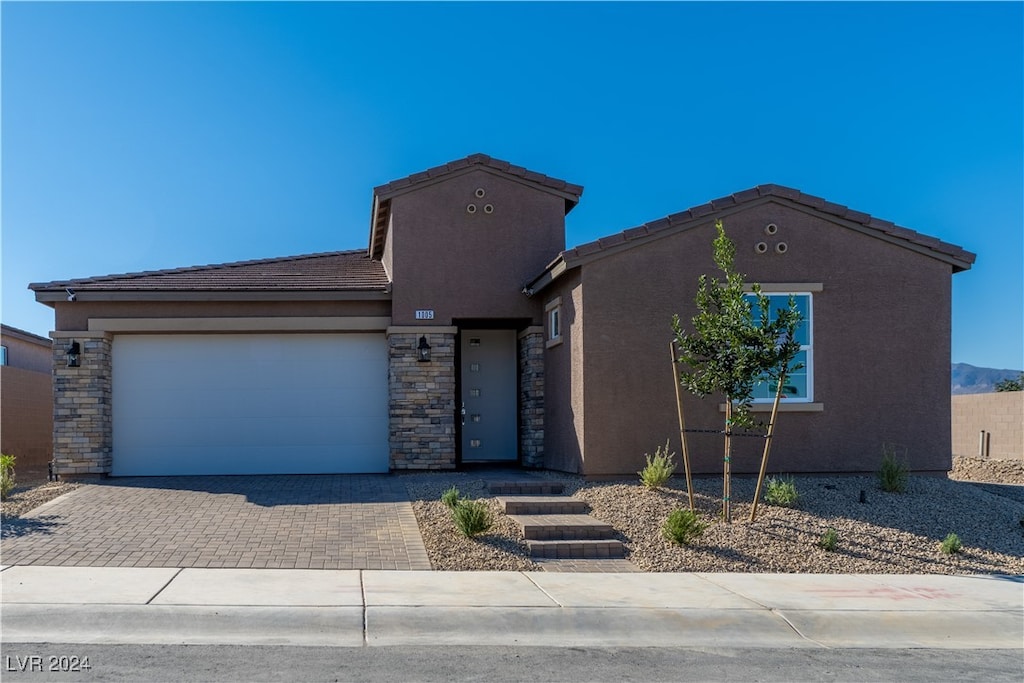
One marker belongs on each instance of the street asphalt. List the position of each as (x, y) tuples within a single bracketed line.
[(357, 608)]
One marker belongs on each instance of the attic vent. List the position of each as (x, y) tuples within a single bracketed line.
[(488, 208), (471, 208), (479, 193), (761, 247), (781, 248), (771, 229)]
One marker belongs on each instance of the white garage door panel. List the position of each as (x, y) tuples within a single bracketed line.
[(249, 404)]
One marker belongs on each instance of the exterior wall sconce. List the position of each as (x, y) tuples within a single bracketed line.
[(424, 350), (74, 354)]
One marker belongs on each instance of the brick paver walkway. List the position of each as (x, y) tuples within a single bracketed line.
[(293, 522)]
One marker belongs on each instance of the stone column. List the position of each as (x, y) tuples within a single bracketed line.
[(82, 430), (531, 396), (421, 399)]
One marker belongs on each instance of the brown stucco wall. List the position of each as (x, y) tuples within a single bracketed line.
[(881, 347), (26, 350), (463, 265), (563, 380), (75, 315), (26, 418), (1000, 415)]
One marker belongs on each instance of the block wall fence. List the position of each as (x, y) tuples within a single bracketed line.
[(990, 426)]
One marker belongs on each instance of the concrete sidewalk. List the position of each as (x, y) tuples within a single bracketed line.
[(355, 608)]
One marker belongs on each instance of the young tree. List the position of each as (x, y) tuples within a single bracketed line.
[(735, 344), (1011, 384)]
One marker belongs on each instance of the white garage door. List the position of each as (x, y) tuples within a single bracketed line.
[(250, 404)]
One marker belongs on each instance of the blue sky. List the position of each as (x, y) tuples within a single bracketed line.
[(145, 136)]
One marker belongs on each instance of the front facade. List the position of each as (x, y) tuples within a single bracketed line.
[(466, 333)]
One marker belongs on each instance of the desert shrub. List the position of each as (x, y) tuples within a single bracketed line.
[(892, 476), (781, 491), (683, 526), (472, 517), (6, 475), (829, 540), (951, 544), (450, 497), (658, 469)]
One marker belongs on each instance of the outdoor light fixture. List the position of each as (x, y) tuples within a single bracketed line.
[(424, 350), (74, 354)]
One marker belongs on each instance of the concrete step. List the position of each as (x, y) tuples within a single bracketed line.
[(542, 487), (562, 527), (580, 549), (542, 505)]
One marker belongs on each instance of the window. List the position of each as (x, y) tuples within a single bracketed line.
[(553, 310), (799, 386), (3, 355)]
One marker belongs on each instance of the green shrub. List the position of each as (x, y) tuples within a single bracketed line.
[(829, 540), (892, 476), (6, 475), (781, 491), (450, 497), (472, 517), (658, 469), (683, 526), (951, 544)]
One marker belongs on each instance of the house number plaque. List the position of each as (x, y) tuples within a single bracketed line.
[(425, 314)]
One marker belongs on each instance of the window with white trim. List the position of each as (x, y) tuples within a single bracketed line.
[(799, 386), (553, 312)]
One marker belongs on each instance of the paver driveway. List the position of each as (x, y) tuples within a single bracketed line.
[(294, 522)]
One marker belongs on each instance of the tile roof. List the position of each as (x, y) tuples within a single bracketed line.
[(395, 186), (956, 256), (382, 194), (338, 270)]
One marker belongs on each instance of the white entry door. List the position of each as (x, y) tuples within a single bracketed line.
[(249, 404)]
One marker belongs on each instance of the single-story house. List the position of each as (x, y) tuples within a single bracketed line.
[(466, 332), (26, 400)]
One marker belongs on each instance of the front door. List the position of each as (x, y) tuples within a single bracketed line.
[(488, 396)]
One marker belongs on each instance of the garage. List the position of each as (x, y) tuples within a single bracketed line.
[(249, 404)]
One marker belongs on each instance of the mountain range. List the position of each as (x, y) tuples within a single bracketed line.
[(968, 379)]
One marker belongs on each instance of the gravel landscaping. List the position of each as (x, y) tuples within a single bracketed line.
[(889, 533)]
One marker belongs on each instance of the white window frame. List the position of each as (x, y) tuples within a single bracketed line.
[(553, 314), (808, 348)]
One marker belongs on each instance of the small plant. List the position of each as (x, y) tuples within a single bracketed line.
[(6, 475), (658, 469), (951, 544), (829, 540), (683, 526), (450, 498), (892, 477), (472, 517), (781, 491)]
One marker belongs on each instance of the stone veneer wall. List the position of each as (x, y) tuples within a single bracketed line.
[(82, 434), (421, 401), (531, 397)]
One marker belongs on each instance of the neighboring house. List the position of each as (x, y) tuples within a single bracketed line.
[(466, 333), (26, 399)]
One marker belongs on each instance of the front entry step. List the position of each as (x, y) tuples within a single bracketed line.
[(525, 488), (589, 550), (562, 527), (558, 528), (542, 505)]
